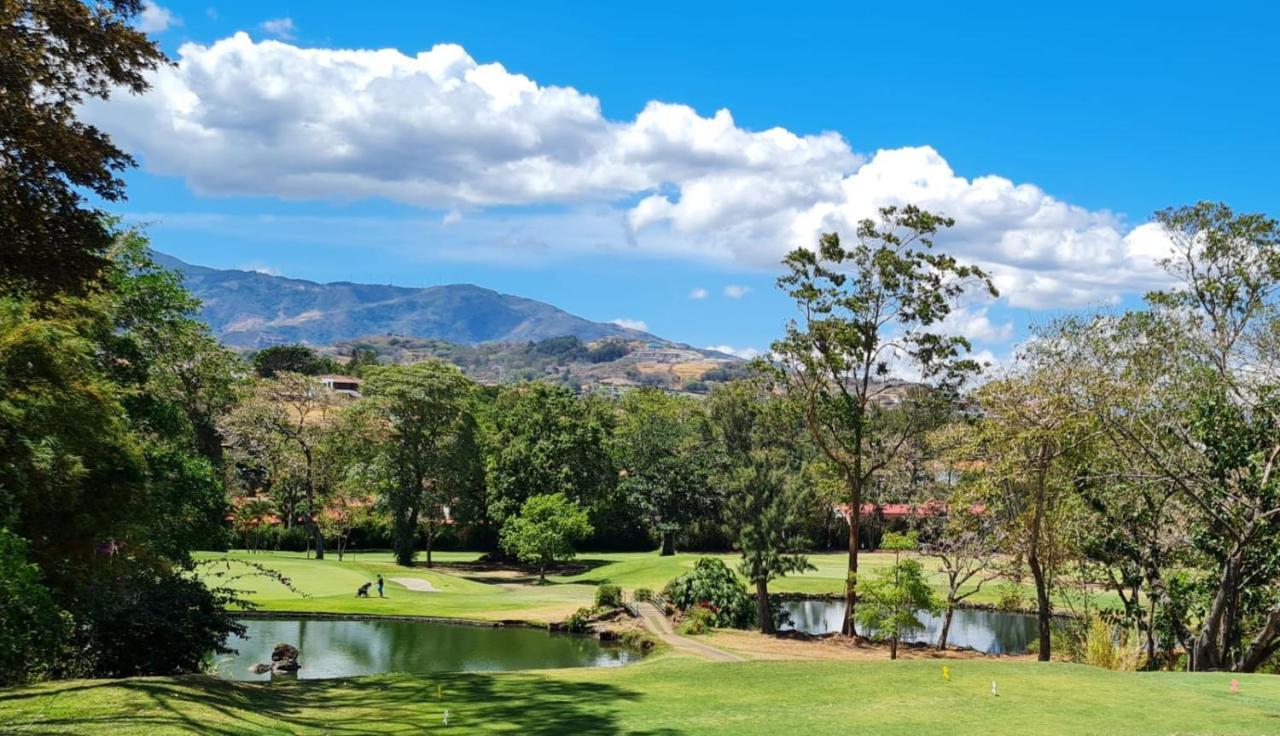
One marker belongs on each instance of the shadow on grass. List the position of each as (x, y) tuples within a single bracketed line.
[(525, 704)]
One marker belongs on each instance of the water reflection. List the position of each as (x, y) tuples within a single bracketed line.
[(349, 648), (993, 632)]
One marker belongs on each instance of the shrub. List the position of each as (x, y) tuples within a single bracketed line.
[(32, 627), (579, 619), (713, 585), (608, 596), (643, 594), (1009, 598), (697, 620), (639, 639), (1108, 648)]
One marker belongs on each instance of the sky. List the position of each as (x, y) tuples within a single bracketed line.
[(651, 163)]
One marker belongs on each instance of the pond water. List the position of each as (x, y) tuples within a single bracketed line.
[(993, 632), (334, 648)]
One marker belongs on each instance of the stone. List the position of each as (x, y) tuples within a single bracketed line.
[(284, 658)]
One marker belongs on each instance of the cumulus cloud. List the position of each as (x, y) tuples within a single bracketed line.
[(154, 19), (440, 130), (282, 28), (631, 324), (744, 353), (698, 293), (736, 291), (975, 324)]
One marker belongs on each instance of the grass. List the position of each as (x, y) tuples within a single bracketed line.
[(668, 696), (330, 585)]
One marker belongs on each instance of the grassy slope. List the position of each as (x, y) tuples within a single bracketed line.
[(331, 584), (670, 696)]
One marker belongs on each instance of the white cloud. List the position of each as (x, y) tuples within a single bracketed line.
[(442, 131), (744, 353), (261, 268), (976, 325), (154, 19), (282, 28), (631, 324), (736, 291), (698, 293)]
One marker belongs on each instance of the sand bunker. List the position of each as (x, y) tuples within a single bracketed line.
[(417, 584)]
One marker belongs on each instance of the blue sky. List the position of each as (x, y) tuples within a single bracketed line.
[(556, 176)]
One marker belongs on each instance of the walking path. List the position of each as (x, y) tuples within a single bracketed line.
[(660, 626)]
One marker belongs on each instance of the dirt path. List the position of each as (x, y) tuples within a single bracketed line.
[(660, 626), (416, 584)]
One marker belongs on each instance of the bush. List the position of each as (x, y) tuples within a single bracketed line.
[(149, 621), (1108, 648), (639, 639), (644, 594), (697, 620), (32, 627), (579, 619), (711, 584), (608, 596), (1009, 598)]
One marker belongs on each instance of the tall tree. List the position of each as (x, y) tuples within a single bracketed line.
[(1187, 392), (1025, 444), (58, 53), (660, 444), (757, 437), (427, 450), (290, 417), (545, 439), (866, 310)]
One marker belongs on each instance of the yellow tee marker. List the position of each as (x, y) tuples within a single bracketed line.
[(946, 673)]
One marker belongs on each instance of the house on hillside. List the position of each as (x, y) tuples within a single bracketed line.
[(349, 385)]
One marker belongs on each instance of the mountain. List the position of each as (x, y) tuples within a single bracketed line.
[(248, 309)]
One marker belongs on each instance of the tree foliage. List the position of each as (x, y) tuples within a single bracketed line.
[(58, 54), (546, 530), (867, 309)]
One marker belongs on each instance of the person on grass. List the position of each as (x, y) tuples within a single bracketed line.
[(380, 595)]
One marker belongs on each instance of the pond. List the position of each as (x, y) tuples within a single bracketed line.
[(336, 648), (993, 632)]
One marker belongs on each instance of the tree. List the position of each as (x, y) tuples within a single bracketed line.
[(545, 531), (866, 309), (892, 600), (426, 451), (545, 438), (756, 435), (56, 54), (103, 480), (1024, 443), (965, 549), (33, 630), (660, 444), (342, 513), (286, 421), (1186, 393), (291, 359), (250, 515)]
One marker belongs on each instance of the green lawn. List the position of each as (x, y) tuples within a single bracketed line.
[(330, 585), (668, 696)]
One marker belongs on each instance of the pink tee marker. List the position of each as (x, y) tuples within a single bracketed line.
[(1235, 686)]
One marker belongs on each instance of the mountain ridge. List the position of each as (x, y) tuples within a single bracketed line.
[(251, 309)]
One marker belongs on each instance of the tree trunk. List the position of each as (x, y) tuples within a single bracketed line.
[(317, 535), (893, 647), (668, 544), (946, 625), (764, 615), (542, 571), (431, 527), (1044, 610), (849, 627)]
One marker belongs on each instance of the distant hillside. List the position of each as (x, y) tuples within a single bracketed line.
[(247, 309), (611, 365)]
